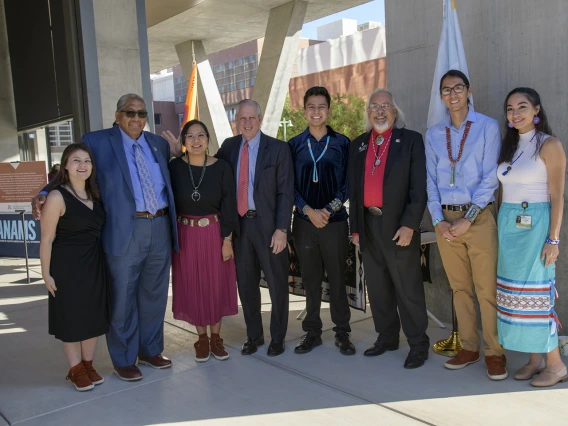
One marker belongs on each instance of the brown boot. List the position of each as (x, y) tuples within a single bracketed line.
[(79, 377), (217, 348), (92, 373), (202, 348)]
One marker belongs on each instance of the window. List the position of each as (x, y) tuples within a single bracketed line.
[(180, 118), (158, 119), (252, 80)]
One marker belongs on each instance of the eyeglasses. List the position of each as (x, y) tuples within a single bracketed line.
[(377, 107), (199, 137), (131, 114), (458, 88)]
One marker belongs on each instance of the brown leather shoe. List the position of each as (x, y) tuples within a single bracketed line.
[(92, 373), (496, 367), (79, 377), (130, 373), (462, 360), (202, 351), (217, 347), (156, 361)]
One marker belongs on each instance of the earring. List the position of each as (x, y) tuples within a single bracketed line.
[(510, 125), (536, 120)]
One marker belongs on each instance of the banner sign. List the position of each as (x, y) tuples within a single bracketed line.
[(12, 236)]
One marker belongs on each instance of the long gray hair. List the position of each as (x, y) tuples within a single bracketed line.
[(399, 121)]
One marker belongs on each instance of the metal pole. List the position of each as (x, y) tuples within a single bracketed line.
[(25, 231)]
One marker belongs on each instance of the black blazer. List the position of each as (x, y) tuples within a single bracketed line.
[(404, 187), (273, 181)]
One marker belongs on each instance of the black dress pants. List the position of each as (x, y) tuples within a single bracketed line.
[(394, 286), (320, 250), (253, 253)]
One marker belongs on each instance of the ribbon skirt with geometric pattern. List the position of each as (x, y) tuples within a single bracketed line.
[(526, 289)]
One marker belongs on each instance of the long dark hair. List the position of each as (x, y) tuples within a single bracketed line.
[(62, 177), (511, 139)]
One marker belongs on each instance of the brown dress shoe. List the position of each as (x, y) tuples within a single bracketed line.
[(496, 367), (202, 348), (92, 373), (217, 347), (462, 360), (156, 361), (79, 377), (130, 373)]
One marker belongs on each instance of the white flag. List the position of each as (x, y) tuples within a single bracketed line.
[(451, 56)]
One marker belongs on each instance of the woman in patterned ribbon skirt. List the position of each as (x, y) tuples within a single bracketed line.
[(532, 166)]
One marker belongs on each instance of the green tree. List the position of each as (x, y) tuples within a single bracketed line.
[(347, 117)]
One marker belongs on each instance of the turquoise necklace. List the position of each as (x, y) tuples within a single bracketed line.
[(315, 177)]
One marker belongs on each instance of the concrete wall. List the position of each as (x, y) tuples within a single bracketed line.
[(508, 43), (8, 135)]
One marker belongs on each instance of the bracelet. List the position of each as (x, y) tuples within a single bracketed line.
[(305, 210), (472, 213), (229, 239), (552, 242), (336, 205), (436, 222)]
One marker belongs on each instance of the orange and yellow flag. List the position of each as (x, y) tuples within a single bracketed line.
[(190, 110)]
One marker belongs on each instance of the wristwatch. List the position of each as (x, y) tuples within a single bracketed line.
[(284, 230), (305, 210), (228, 239)]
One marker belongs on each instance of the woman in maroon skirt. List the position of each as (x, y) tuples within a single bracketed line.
[(203, 273)]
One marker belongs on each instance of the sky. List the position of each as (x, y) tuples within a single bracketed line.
[(372, 11)]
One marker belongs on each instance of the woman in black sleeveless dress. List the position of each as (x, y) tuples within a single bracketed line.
[(73, 264)]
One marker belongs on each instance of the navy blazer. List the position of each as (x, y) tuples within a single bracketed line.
[(115, 186), (273, 181)]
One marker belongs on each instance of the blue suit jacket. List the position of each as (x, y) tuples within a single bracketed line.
[(115, 186)]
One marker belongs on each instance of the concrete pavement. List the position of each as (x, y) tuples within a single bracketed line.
[(323, 387)]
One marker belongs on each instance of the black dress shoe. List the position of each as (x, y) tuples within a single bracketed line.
[(416, 358), (251, 345), (275, 348), (307, 344), (380, 348), (344, 344)]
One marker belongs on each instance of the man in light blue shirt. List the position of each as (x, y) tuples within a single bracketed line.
[(461, 161)]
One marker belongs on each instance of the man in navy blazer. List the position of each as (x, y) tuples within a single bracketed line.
[(138, 235), (265, 197)]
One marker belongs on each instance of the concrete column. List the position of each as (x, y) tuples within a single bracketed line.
[(118, 52), (277, 61), (211, 109), (9, 150)]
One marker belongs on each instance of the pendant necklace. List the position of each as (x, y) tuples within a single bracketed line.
[(195, 195), (84, 200), (449, 148), (510, 166), (315, 177), (376, 151)]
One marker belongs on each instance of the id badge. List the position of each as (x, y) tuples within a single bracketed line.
[(524, 222)]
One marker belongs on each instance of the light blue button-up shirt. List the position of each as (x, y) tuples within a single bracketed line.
[(476, 172), (253, 154), (154, 168)]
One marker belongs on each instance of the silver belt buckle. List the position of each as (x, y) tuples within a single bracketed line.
[(203, 222), (375, 211)]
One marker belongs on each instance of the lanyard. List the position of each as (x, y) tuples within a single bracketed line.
[(315, 175)]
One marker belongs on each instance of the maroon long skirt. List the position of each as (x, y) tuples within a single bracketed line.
[(204, 285)]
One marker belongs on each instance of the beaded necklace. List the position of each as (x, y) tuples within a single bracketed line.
[(449, 148)]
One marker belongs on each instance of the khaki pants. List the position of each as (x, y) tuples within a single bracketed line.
[(470, 262)]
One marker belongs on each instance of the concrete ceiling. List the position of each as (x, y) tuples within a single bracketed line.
[(220, 24)]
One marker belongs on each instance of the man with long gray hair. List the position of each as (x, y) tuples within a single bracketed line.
[(387, 196)]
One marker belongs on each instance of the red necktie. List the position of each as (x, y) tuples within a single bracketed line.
[(242, 190)]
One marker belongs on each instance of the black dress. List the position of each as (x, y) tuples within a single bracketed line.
[(80, 309)]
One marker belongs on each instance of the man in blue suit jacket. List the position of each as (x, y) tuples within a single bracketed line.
[(138, 235)]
